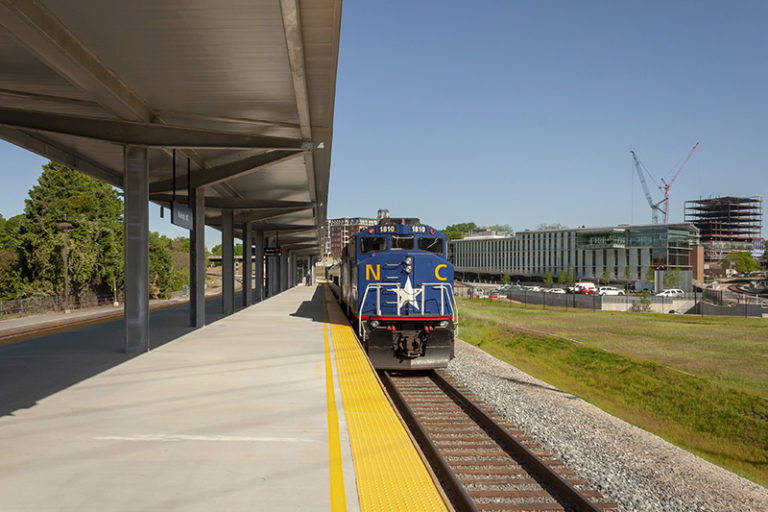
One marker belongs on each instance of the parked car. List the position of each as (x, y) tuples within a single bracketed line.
[(556, 290), (584, 287), (671, 292), (609, 290)]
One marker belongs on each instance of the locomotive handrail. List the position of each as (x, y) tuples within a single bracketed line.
[(444, 289)]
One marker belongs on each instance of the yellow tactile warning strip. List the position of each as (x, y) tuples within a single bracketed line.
[(338, 497), (390, 474)]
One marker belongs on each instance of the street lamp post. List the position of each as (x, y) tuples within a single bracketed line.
[(64, 226)]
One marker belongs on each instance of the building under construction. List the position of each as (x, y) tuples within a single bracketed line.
[(726, 224)]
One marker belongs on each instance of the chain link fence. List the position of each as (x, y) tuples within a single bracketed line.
[(41, 305), (711, 302)]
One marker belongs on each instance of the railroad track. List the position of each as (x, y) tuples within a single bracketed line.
[(483, 462)]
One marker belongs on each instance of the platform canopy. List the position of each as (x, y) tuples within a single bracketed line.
[(243, 89)]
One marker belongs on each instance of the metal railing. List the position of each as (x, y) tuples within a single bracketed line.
[(40, 305), (690, 303), (445, 289)]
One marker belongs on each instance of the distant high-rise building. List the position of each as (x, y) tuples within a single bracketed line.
[(726, 224), (339, 231)]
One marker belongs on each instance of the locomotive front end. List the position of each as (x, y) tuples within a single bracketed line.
[(406, 308)]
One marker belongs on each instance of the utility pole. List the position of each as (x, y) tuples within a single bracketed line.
[(64, 226)]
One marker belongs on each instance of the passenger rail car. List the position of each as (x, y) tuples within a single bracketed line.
[(395, 282)]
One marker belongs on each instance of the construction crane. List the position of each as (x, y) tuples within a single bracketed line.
[(666, 186), (655, 208), (663, 205)]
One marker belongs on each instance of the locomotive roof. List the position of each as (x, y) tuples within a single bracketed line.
[(405, 221)]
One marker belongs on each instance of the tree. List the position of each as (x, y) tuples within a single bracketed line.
[(548, 278), (651, 275), (502, 228), (569, 276), (181, 244), (545, 227), (561, 279), (95, 240), (457, 231), (741, 261), (11, 281), (506, 279), (166, 270), (671, 278), (237, 250), (606, 277), (10, 232), (627, 276)]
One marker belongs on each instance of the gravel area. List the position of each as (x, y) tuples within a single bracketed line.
[(636, 470)]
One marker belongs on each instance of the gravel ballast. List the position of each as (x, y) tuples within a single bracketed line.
[(635, 469)]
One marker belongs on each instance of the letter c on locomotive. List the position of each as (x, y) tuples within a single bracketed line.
[(369, 271), (437, 272)]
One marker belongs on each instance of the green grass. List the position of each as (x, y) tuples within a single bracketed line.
[(700, 383)]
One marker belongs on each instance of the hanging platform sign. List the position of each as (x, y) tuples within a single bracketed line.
[(272, 251), (181, 215)]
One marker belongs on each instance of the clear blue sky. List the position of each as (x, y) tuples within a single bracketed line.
[(522, 113)]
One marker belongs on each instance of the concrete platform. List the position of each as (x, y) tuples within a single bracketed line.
[(273, 408), (229, 417)]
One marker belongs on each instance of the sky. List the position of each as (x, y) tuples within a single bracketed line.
[(524, 112)]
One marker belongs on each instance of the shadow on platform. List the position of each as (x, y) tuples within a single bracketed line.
[(313, 309), (36, 368)]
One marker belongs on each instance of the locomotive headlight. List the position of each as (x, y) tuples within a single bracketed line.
[(408, 265), (443, 324), (374, 323)]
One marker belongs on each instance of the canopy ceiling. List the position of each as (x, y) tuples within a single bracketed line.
[(242, 89)]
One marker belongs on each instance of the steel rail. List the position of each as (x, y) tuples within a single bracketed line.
[(461, 501), (534, 463)]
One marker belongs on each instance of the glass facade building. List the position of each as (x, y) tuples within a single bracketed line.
[(627, 252)]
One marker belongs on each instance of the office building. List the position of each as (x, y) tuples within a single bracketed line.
[(624, 253)]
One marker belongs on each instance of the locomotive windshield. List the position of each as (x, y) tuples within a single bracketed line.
[(372, 244), (402, 242), (434, 245)]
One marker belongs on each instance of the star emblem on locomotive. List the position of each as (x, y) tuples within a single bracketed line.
[(407, 295)]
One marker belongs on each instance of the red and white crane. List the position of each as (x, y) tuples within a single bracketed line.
[(666, 186), (663, 205)]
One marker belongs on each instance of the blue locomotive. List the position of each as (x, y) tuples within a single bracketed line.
[(395, 282)]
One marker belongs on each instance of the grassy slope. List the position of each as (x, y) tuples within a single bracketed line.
[(701, 383)]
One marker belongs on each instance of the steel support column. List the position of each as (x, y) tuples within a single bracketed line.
[(283, 274), (312, 270), (288, 271), (227, 263), (247, 267), (292, 270), (136, 254), (273, 272), (259, 266), (197, 258)]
